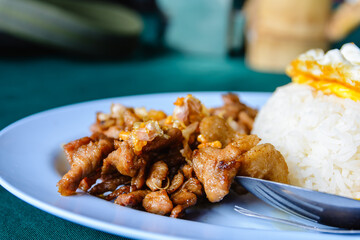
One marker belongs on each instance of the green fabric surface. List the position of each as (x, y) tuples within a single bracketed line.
[(32, 85), (23, 221)]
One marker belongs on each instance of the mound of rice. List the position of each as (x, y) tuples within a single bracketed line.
[(319, 136)]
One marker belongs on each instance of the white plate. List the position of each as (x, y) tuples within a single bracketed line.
[(31, 165)]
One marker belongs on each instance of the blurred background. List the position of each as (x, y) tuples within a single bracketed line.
[(270, 33), (59, 52)]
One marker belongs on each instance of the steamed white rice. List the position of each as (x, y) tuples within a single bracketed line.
[(319, 136)]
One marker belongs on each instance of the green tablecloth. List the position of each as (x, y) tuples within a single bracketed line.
[(31, 85)]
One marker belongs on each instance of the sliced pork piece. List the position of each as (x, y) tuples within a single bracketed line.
[(109, 185), (265, 162), (118, 192), (186, 197), (123, 160), (132, 199), (157, 175), (72, 146), (139, 179), (176, 182), (172, 137), (158, 202), (216, 168), (239, 116), (215, 128), (85, 160)]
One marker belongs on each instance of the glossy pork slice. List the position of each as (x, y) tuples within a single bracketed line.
[(216, 168), (265, 162), (85, 160), (124, 160)]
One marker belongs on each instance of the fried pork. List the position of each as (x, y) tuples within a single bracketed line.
[(166, 164)]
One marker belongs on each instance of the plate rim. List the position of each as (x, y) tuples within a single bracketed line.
[(126, 231)]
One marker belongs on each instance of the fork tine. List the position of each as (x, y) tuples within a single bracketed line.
[(295, 201), (250, 213), (308, 210), (244, 211), (273, 199)]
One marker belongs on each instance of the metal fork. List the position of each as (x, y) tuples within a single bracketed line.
[(319, 207), (250, 213)]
